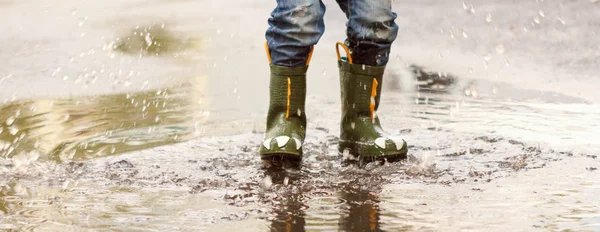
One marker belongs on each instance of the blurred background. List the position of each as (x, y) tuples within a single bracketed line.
[(144, 115)]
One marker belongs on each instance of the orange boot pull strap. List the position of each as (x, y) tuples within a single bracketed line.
[(337, 50), (268, 52), (312, 49), (373, 95)]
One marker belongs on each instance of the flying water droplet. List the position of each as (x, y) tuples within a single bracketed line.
[(13, 130), (71, 154), (267, 182), (346, 155), (148, 40), (286, 181), (10, 120), (56, 71), (500, 49), (487, 57), (488, 18)]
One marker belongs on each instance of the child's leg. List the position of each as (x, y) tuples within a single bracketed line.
[(295, 26), (371, 30)]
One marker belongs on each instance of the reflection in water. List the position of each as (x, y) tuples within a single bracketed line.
[(289, 209), (433, 82), (361, 212), (88, 127), (444, 104), (357, 200), (89, 206), (443, 100), (154, 40)]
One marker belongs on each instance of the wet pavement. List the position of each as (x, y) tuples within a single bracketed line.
[(147, 116)]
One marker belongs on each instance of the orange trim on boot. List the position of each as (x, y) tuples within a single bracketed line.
[(289, 96), (373, 95)]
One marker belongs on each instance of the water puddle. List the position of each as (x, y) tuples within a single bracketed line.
[(83, 128), (154, 40), (473, 145)]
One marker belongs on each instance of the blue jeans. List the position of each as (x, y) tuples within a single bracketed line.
[(296, 25)]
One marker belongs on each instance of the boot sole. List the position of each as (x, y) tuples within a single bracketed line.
[(281, 157), (360, 151)]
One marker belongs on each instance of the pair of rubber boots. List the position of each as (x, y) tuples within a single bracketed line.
[(361, 133)]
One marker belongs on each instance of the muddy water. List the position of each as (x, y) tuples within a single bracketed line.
[(483, 155)]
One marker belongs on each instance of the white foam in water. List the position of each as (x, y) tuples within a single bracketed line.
[(286, 181), (267, 183), (423, 165), (427, 160), (347, 156), (23, 160)]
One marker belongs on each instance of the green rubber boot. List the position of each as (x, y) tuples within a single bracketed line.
[(286, 121), (361, 132)]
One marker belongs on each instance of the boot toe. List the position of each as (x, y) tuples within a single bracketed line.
[(281, 145), (381, 147)]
